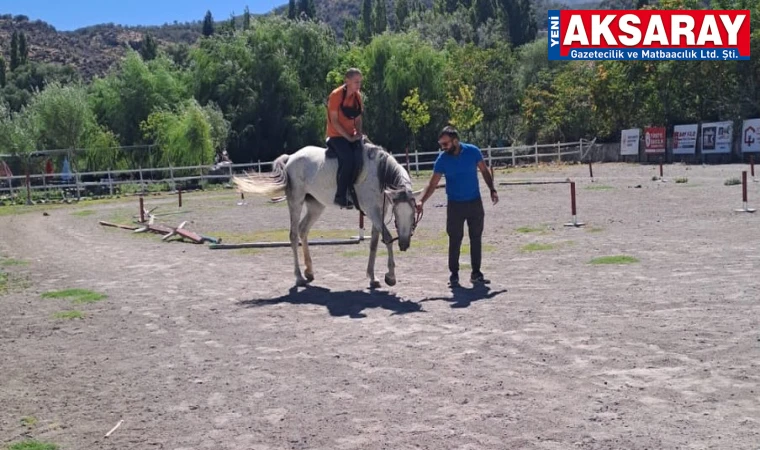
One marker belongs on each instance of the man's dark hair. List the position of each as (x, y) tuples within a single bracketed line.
[(450, 132), (350, 73)]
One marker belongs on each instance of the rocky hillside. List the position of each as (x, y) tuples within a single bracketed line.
[(91, 50)]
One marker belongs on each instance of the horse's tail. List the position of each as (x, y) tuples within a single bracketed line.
[(270, 184)]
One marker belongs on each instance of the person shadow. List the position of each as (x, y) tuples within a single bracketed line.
[(340, 303), (463, 297)]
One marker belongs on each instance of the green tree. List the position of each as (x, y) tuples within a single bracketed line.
[(183, 136), (379, 17), (463, 112), (19, 134), (208, 24), (149, 47), (365, 26), (15, 58), (307, 8), (63, 116), (292, 9), (415, 114), (246, 18), (125, 98), (23, 49), (231, 24), (3, 74), (402, 12), (349, 30)]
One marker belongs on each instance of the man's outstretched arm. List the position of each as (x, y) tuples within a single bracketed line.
[(430, 189)]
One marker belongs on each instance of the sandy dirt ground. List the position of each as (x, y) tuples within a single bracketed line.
[(214, 349)]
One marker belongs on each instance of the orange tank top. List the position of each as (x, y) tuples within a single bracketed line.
[(348, 109)]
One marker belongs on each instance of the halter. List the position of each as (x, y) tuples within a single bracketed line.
[(417, 219)]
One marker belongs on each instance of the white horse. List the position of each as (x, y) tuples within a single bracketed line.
[(310, 176)]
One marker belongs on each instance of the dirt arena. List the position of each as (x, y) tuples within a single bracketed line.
[(214, 349)]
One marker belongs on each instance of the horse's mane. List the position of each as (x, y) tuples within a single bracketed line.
[(390, 173)]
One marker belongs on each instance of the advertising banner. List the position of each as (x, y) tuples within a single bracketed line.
[(716, 137), (654, 140), (685, 139), (751, 135), (629, 142)]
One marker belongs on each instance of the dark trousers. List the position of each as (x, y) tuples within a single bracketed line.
[(349, 159), (457, 213)]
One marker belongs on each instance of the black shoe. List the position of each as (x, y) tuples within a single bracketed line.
[(454, 280), (477, 277)]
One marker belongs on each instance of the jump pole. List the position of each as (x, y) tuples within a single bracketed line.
[(575, 222), (179, 197), (590, 171), (142, 210), (744, 195), (352, 240), (528, 183)]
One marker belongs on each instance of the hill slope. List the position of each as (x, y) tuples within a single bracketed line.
[(93, 50)]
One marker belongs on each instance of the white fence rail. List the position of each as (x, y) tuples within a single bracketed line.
[(113, 179)]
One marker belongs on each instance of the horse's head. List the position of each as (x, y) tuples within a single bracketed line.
[(404, 206)]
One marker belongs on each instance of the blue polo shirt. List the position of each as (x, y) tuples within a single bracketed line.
[(461, 173)]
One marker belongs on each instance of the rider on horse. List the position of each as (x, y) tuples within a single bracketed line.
[(344, 132)]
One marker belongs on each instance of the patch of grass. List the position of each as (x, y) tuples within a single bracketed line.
[(67, 315), (536, 247), (281, 235), (616, 259), (32, 445), (7, 262), (595, 229), (84, 213), (681, 180), (732, 182), (247, 251), (29, 421), (76, 295), (529, 229), (598, 187)]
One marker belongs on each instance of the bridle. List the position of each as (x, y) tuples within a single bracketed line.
[(417, 218)]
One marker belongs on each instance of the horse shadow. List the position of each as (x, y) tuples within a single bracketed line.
[(464, 297), (341, 303)]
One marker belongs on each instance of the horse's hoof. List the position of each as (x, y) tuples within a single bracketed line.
[(374, 284), (390, 281), (309, 277), (301, 282)]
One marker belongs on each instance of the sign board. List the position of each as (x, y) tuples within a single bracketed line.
[(654, 140), (629, 142), (751, 135), (685, 139), (716, 137)]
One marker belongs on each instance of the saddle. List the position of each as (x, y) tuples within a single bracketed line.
[(331, 153)]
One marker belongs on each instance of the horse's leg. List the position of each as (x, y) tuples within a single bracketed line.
[(313, 210), (374, 239), (390, 276), (295, 205)]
